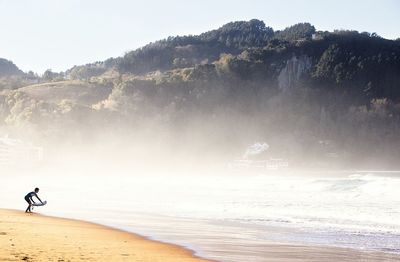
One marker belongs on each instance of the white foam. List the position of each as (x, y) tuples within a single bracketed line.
[(357, 210)]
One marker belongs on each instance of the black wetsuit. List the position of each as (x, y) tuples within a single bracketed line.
[(29, 196)]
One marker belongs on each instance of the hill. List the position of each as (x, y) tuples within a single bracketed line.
[(362, 63), (316, 97), (8, 68)]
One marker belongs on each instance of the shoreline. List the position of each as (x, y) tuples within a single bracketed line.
[(269, 251), (37, 237)]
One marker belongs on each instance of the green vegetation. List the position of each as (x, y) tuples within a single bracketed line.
[(191, 50), (326, 96), (301, 31)]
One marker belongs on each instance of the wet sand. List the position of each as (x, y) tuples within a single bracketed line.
[(34, 237)]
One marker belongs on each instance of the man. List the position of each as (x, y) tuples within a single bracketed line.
[(28, 198)]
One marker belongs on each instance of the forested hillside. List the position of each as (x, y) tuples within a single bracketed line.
[(316, 97), (8, 68)]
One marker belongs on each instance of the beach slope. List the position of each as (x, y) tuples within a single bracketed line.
[(33, 237)]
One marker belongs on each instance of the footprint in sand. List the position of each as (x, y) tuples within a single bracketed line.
[(3, 233)]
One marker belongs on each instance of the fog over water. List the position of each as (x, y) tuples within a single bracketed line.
[(218, 212)]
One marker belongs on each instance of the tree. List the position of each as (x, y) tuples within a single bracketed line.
[(296, 32), (49, 75), (8, 68)]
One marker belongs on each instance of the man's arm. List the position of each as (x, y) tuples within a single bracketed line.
[(38, 198)]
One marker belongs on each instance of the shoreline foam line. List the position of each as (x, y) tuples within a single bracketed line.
[(37, 237)]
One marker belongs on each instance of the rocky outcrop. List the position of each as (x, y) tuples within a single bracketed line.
[(293, 71)]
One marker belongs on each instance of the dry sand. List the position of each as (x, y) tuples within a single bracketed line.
[(33, 237)]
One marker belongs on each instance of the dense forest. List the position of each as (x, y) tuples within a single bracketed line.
[(316, 97)]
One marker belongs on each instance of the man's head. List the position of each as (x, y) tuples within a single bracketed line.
[(36, 190)]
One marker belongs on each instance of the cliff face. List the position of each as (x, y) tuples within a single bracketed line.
[(295, 68)]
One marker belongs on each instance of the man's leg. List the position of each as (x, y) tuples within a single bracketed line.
[(28, 209)]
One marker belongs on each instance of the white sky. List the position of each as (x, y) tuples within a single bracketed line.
[(58, 34)]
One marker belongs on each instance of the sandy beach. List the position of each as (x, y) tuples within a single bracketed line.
[(34, 237)]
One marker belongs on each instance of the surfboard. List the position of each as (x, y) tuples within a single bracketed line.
[(39, 204)]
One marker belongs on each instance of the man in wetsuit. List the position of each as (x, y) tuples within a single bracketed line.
[(28, 198)]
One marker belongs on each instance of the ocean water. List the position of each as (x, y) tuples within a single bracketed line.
[(226, 217)]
